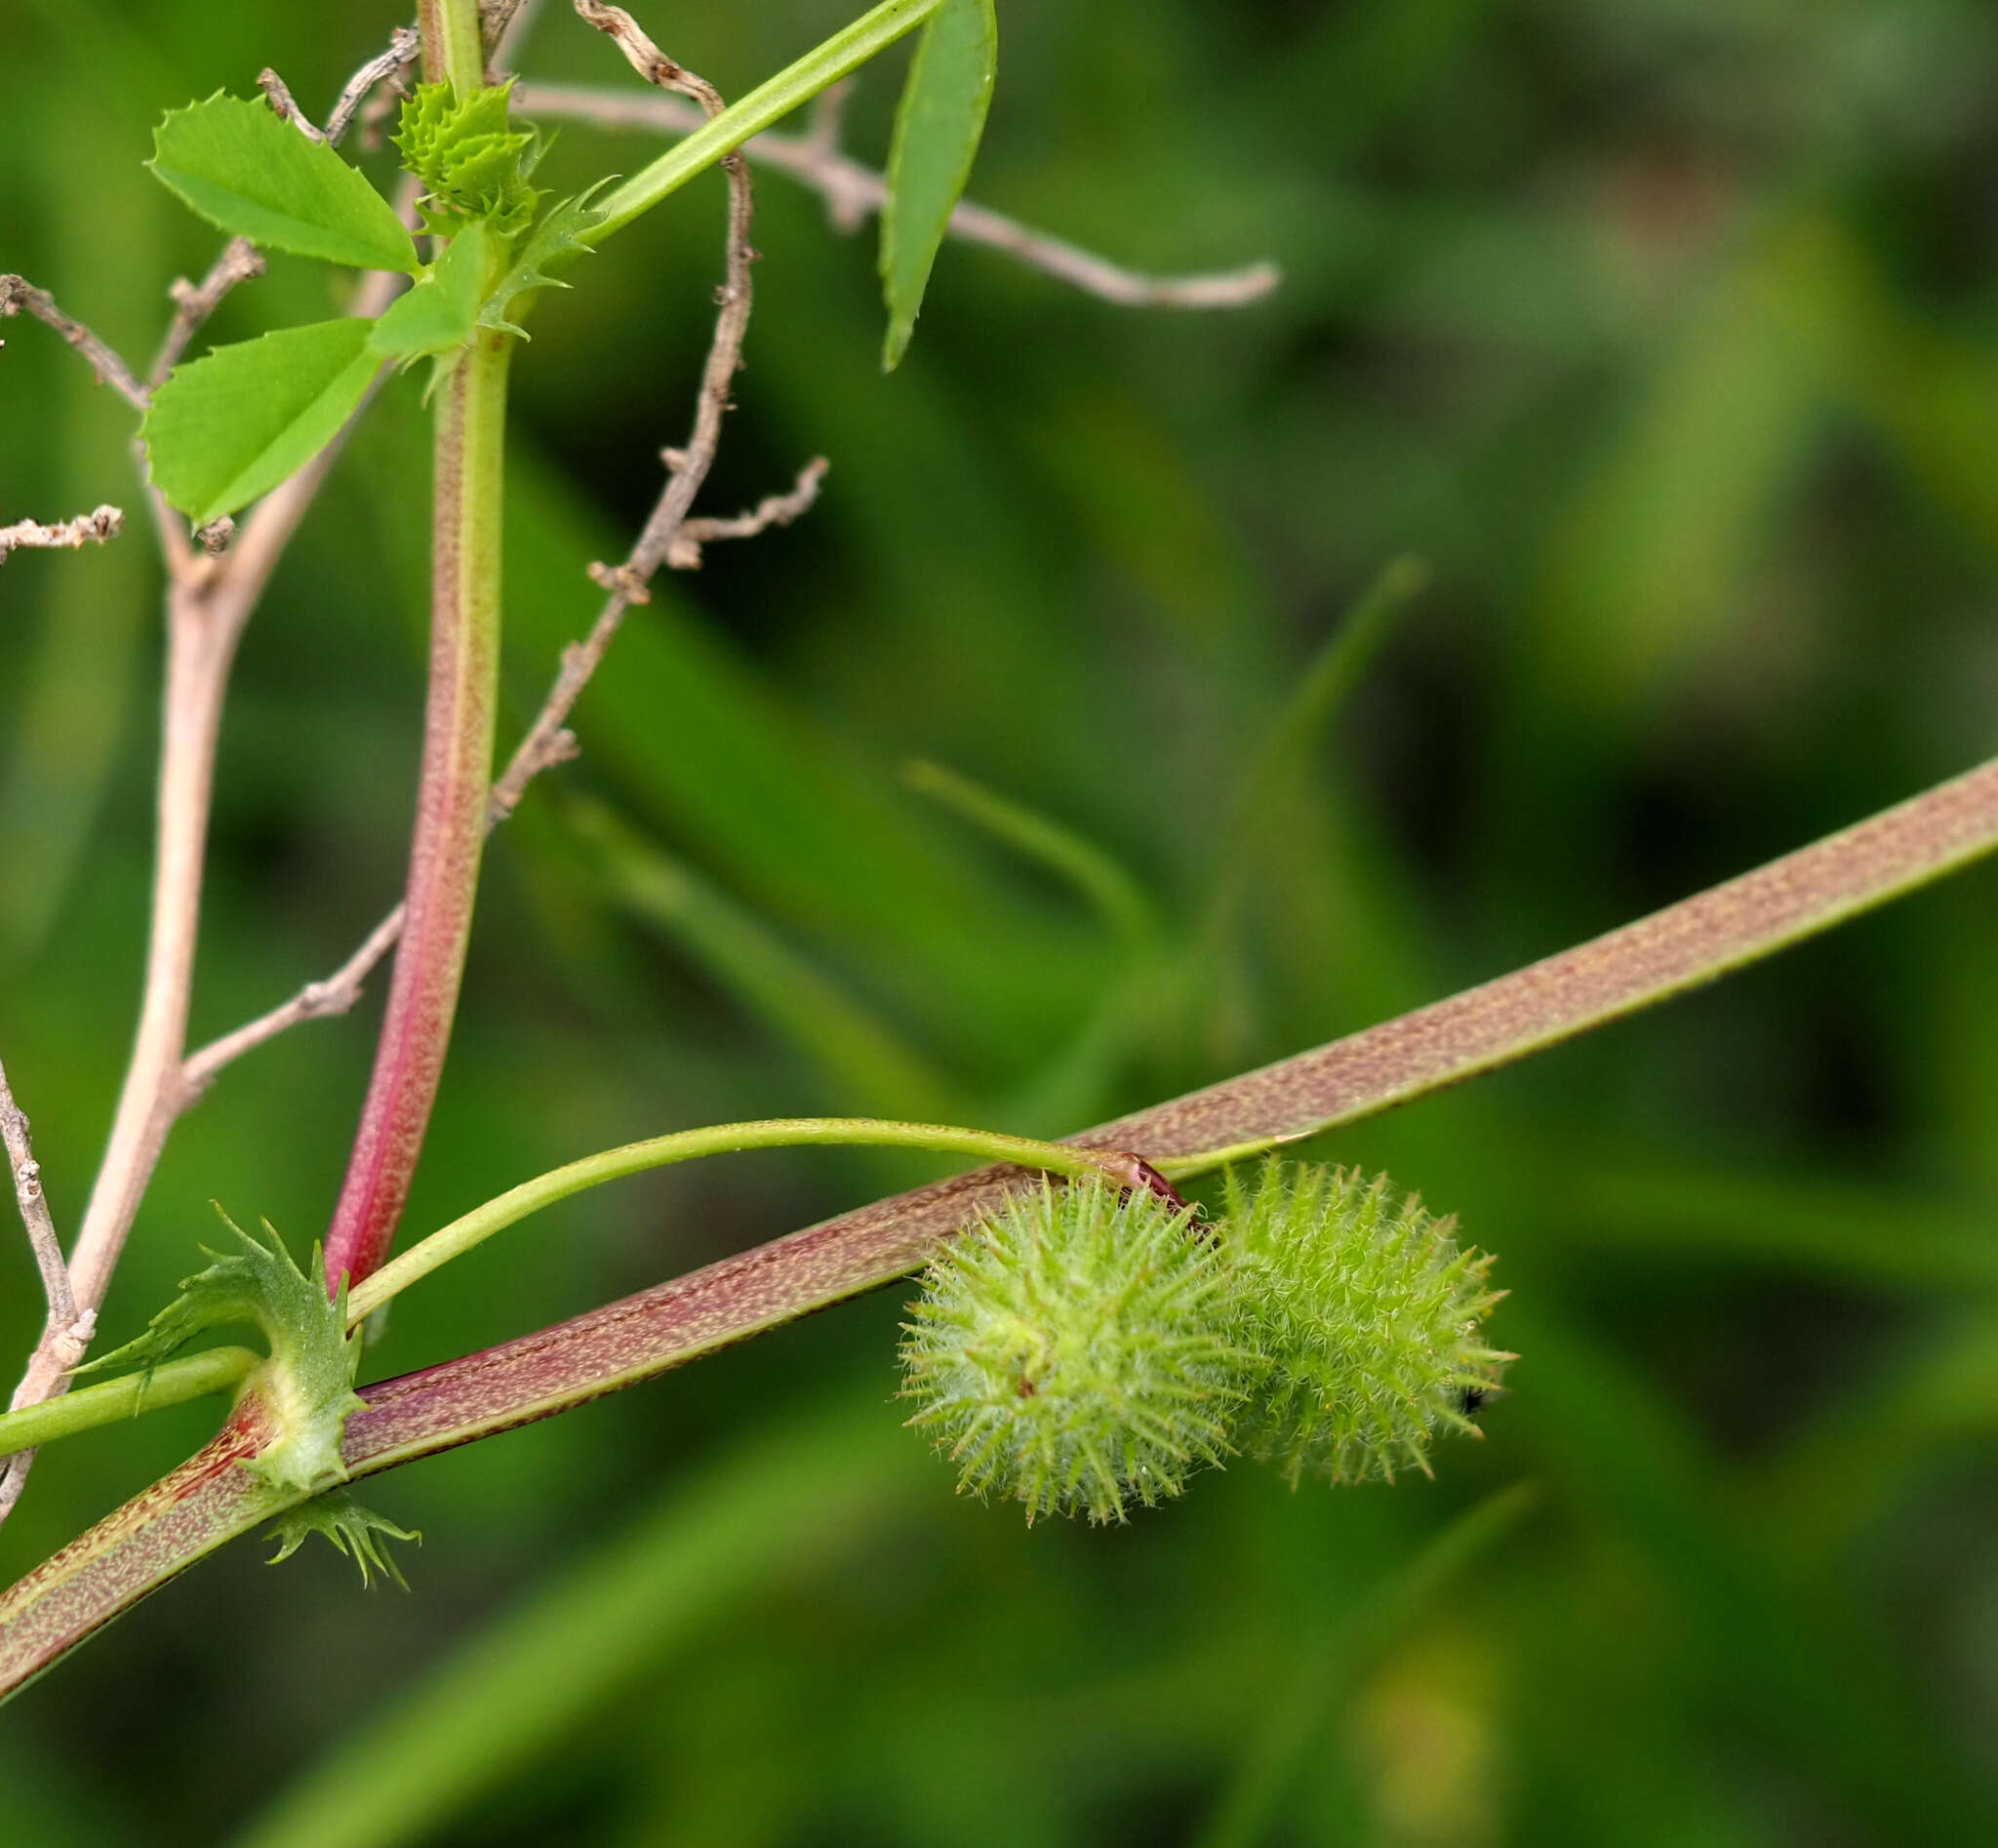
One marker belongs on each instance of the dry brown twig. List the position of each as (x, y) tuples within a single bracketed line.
[(853, 192), (86, 529), (65, 1326), (194, 302), (284, 107), (66, 1331), (17, 293), (683, 552), (403, 48)]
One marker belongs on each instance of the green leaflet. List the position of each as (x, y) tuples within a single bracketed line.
[(241, 167), (440, 312), (307, 1385), (232, 425), (936, 130)]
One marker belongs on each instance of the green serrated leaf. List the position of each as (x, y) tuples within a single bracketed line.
[(936, 130), (241, 167), (555, 244), (232, 427), (306, 1385), (440, 312)]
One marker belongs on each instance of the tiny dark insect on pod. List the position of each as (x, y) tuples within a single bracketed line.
[(1473, 1400)]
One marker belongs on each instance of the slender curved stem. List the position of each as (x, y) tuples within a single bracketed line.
[(721, 1138), (84, 1408)]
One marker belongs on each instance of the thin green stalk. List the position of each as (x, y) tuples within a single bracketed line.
[(721, 1138), (84, 1408), (1111, 892), (450, 807), (822, 66)]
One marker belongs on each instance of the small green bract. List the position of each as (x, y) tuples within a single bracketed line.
[(1366, 1313), (356, 1531), (1073, 1353)]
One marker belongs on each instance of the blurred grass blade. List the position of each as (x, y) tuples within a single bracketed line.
[(1885, 1240), (1112, 893), (1260, 809), (870, 1066), (936, 131), (507, 1700), (1878, 1444), (1337, 1660)]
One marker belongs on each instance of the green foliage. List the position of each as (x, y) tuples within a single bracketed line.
[(1366, 1313), (936, 129), (305, 1387), (439, 312), (1073, 1353), (469, 157), (241, 167), (232, 425), (356, 1531)]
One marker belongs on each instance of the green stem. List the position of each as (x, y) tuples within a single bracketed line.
[(721, 1138), (822, 66), (451, 45), (216, 1370), (450, 808)]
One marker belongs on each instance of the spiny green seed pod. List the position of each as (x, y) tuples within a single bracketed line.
[(1073, 1351), (1365, 1314), (472, 162)]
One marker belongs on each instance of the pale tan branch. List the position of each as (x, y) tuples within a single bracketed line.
[(36, 1216), (853, 192), (86, 529), (17, 293), (66, 1334), (210, 599), (194, 302)]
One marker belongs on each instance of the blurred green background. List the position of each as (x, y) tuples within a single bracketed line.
[(1667, 334)]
